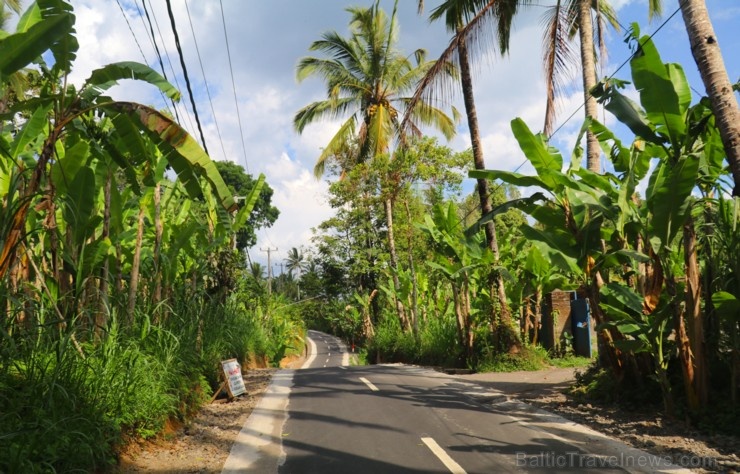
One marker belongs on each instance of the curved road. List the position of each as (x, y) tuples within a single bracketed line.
[(330, 417)]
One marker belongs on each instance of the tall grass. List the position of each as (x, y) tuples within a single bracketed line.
[(435, 343), (67, 407)]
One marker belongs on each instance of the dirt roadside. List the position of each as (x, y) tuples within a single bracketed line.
[(645, 430), (204, 444)]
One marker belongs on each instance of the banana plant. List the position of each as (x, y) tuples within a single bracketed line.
[(461, 260), (577, 211), (61, 108), (686, 143)]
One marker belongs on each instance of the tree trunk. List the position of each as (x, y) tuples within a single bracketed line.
[(683, 345), (694, 314), (101, 318), (367, 323), (608, 353), (708, 58), (17, 229), (469, 333), (134, 282), (503, 325), (459, 318), (157, 297), (586, 34), (412, 269), (394, 264)]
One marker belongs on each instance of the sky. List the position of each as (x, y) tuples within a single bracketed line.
[(254, 108)]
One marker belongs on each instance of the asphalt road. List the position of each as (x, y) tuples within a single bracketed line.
[(331, 417)]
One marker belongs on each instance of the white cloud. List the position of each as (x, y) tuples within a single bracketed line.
[(266, 40), (302, 203)]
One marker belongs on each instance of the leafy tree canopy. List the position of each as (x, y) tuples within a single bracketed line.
[(264, 213)]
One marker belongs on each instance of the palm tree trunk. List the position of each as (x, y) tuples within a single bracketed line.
[(708, 58), (504, 323), (586, 33)]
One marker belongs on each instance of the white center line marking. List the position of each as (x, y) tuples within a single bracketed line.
[(449, 463), (326, 361), (370, 384)]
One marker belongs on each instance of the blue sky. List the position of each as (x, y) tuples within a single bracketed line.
[(266, 40)]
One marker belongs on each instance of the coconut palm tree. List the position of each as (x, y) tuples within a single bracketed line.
[(470, 21), (257, 270), (369, 81), (708, 58), (295, 261), (563, 21)]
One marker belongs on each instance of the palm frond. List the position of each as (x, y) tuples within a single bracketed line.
[(321, 110), (426, 114), (559, 58), (655, 9), (335, 146), (380, 131), (438, 85), (604, 14), (368, 78), (337, 47)]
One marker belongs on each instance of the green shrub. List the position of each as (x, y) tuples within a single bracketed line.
[(528, 358)]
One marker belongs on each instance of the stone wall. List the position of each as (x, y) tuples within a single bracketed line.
[(556, 323)]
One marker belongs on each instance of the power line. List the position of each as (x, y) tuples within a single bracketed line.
[(205, 81), (629, 58), (619, 68), (156, 49), (233, 87), (185, 73), (136, 40), (169, 61)]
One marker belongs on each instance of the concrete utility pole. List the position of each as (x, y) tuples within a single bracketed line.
[(269, 268)]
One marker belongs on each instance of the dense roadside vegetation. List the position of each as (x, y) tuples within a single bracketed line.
[(407, 270), (122, 279), (123, 282)]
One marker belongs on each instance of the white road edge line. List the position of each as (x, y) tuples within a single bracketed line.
[(342, 349), (312, 352), (369, 384), (258, 446), (449, 463)]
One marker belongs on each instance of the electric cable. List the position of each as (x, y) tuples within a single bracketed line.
[(172, 68), (185, 73), (136, 40), (233, 87), (205, 81), (570, 117), (156, 49)]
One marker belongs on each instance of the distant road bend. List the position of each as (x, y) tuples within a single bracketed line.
[(331, 417)]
